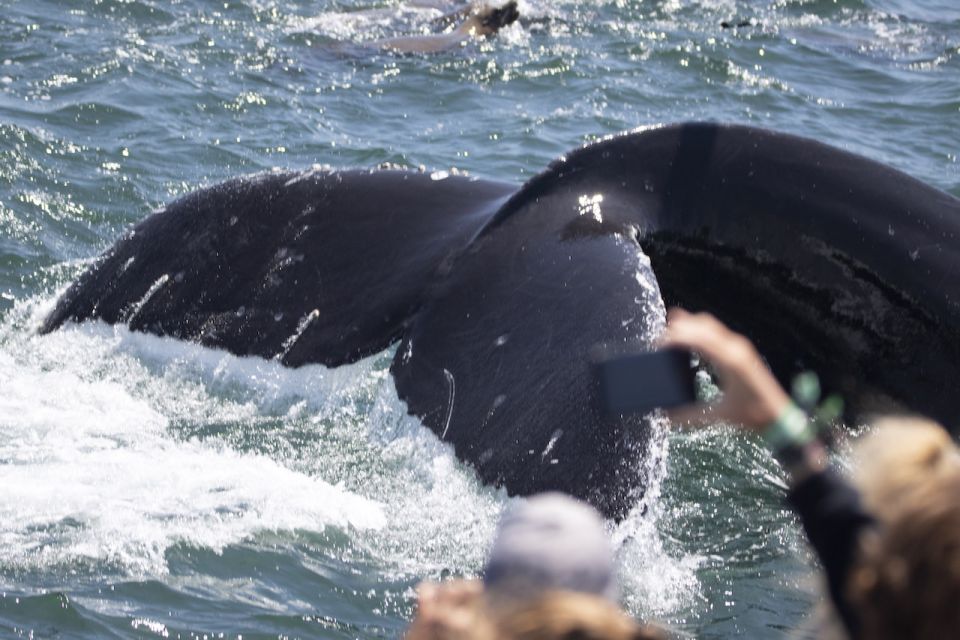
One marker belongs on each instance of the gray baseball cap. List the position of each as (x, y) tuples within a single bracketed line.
[(551, 542)]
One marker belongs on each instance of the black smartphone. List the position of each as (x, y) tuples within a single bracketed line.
[(642, 382)]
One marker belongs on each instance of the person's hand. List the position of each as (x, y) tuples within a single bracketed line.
[(752, 397), (447, 610)]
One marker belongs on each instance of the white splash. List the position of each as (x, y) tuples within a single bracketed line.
[(92, 472), (100, 468)]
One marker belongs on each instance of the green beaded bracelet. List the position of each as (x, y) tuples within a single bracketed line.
[(792, 429)]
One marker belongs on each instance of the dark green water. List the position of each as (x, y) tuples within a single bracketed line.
[(152, 488)]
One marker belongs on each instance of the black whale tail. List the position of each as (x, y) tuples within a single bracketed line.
[(827, 260)]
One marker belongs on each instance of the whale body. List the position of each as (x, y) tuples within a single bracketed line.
[(495, 293)]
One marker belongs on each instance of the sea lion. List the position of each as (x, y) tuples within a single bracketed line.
[(480, 21)]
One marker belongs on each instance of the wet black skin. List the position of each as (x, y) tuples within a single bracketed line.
[(496, 294)]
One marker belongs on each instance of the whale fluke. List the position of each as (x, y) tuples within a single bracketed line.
[(496, 293)]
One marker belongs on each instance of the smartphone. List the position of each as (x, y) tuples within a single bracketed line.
[(642, 382)]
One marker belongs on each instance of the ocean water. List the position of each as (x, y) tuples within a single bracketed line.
[(152, 488)]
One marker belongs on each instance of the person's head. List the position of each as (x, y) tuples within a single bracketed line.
[(460, 610), (907, 580), (900, 455), (551, 542), (568, 615), (451, 610)]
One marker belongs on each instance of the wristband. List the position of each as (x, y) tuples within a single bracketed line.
[(791, 430)]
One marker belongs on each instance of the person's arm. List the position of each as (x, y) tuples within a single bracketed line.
[(834, 519), (830, 509)]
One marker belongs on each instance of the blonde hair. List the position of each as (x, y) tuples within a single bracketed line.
[(568, 615), (463, 610), (901, 455), (906, 583)]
